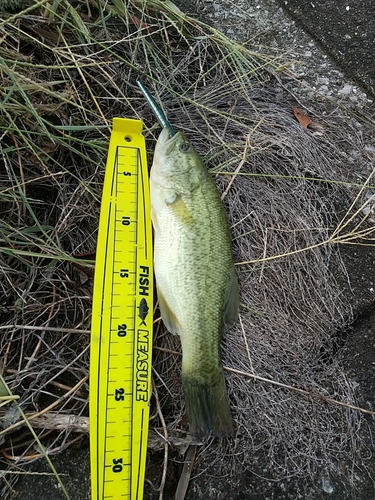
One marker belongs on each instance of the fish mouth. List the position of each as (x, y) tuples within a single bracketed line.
[(167, 142)]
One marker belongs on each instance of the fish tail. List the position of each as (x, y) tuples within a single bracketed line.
[(207, 405)]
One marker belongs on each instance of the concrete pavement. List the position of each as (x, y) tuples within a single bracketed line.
[(344, 29)]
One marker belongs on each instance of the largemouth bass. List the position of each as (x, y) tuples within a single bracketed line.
[(195, 277)]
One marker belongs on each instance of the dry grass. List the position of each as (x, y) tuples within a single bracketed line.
[(66, 71)]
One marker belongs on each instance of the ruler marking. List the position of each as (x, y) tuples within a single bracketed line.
[(100, 352), (134, 316), (138, 165), (98, 429), (139, 462), (143, 204), (113, 191), (133, 240)]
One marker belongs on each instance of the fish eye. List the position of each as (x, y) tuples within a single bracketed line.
[(184, 147)]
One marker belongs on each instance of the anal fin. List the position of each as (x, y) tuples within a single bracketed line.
[(167, 315), (231, 301)]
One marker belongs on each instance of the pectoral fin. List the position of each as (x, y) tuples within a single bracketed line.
[(154, 220), (167, 315), (179, 208), (231, 301)]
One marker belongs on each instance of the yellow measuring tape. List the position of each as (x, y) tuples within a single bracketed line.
[(122, 318)]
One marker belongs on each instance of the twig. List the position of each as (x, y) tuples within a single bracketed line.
[(7, 399), (246, 344), (39, 455), (33, 357), (301, 391), (64, 387), (239, 166), (285, 386), (183, 483), (32, 7), (165, 463), (348, 217), (45, 328), (286, 254), (45, 410), (247, 144), (60, 421)]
